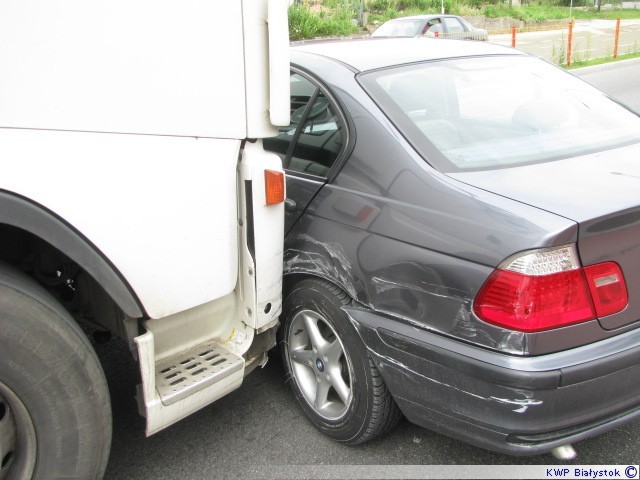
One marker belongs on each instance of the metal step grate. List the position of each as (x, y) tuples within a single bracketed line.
[(180, 376)]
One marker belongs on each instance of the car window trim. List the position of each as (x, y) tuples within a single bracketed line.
[(344, 120), (299, 128)]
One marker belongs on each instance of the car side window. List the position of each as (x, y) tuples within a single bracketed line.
[(320, 142), (302, 90), (315, 137), (433, 26), (453, 25)]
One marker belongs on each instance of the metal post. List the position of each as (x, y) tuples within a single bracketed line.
[(570, 10), (569, 42), (513, 37), (617, 40), (442, 7)]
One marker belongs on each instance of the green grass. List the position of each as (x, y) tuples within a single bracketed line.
[(600, 61), (383, 10), (304, 24), (592, 13), (537, 13)]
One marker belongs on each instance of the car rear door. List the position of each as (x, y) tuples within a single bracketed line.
[(454, 28)]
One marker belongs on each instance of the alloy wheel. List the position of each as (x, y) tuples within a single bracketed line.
[(320, 364)]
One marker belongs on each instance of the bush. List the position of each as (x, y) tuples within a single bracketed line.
[(303, 24), (380, 5), (526, 14), (418, 4)]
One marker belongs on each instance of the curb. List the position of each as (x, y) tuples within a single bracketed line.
[(606, 66)]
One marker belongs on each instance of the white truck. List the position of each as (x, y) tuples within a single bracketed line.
[(135, 199)]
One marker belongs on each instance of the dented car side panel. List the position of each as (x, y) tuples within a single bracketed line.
[(413, 247), (407, 241), (516, 405)]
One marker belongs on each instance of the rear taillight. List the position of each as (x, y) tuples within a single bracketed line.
[(544, 289), (608, 288)]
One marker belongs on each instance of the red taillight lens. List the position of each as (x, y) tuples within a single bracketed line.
[(547, 288), (533, 303), (273, 187), (608, 288)]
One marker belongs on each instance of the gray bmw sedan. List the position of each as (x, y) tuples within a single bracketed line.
[(462, 245)]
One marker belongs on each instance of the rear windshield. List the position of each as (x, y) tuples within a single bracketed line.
[(482, 113)]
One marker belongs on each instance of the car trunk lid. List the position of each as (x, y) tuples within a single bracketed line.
[(601, 192)]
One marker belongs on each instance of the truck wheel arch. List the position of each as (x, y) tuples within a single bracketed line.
[(33, 218)]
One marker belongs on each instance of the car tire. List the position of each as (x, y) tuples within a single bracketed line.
[(55, 412), (331, 374)]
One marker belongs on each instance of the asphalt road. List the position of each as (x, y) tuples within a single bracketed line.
[(260, 425), (621, 80)]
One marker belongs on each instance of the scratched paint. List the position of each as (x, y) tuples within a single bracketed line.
[(521, 404), (324, 259)]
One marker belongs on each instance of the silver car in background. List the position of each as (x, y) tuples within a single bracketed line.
[(443, 26)]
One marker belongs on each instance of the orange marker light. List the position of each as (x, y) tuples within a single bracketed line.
[(273, 187)]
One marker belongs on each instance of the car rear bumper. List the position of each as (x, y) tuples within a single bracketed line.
[(509, 404)]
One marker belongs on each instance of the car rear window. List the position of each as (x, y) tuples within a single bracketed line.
[(399, 28), (482, 113)]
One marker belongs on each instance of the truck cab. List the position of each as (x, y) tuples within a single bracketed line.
[(136, 199)]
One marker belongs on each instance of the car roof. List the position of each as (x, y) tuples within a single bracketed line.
[(368, 53), (416, 17)]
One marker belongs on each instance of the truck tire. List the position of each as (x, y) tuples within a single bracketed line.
[(55, 413), (330, 372)]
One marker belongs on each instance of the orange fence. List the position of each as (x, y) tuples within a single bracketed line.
[(575, 42)]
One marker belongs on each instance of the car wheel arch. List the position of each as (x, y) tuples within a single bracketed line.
[(371, 410), (291, 279)]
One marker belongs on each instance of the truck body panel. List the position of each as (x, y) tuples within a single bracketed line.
[(135, 67), (161, 209), (137, 126)]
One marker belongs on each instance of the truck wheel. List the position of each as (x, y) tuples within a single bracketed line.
[(335, 381), (55, 414)]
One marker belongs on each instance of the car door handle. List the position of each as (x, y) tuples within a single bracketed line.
[(289, 205)]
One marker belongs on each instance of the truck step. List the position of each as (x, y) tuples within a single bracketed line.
[(176, 386), (179, 376)]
